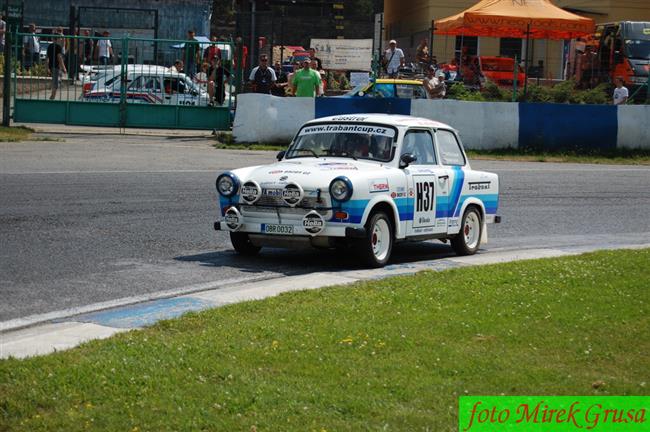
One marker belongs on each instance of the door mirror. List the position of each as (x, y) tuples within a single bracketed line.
[(280, 155), (406, 159)]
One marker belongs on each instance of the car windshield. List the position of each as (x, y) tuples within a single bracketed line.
[(357, 89), (356, 141), (638, 49)]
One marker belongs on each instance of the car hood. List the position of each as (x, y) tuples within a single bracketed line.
[(310, 172)]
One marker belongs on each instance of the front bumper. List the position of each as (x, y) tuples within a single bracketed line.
[(338, 230)]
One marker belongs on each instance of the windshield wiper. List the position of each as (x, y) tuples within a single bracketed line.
[(306, 150)]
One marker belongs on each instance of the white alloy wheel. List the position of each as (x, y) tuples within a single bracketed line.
[(468, 239), (376, 247), (380, 239)]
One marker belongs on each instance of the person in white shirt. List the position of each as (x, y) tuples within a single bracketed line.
[(3, 29), (620, 92), (31, 48), (104, 49), (393, 59)]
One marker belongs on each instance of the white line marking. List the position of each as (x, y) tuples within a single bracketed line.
[(31, 320)]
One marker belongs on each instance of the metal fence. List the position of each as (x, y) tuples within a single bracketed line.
[(123, 82)]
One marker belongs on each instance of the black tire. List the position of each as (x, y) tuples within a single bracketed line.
[(242, 244), (466, 242), (372, 249)]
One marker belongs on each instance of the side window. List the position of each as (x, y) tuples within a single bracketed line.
[(153, 84), (404, 91), (420, 144), (174, 85), (385, 90), (450, 152), (137, 83), (419, 92)]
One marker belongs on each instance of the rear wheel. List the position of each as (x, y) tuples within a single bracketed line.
[(242, 244), (468, 239), (376, 247)]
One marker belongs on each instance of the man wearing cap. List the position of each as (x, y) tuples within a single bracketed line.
[(306, 81), (393, 59), (435, 83)]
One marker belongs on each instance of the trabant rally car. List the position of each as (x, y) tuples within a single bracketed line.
[(365, 181)]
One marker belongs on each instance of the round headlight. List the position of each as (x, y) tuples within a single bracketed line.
[(341, 189), (227, 184)]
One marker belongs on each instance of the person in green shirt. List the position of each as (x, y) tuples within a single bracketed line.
[(306, 81)]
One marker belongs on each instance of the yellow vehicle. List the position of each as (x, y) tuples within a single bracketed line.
[(390, 88)]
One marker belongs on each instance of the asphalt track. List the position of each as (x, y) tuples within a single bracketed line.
[(99, 218)]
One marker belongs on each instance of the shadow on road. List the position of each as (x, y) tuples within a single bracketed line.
[(296, 262)]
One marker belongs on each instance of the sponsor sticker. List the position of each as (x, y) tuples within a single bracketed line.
[(378, 185), (478, 186), (348, 128), (313, 223)]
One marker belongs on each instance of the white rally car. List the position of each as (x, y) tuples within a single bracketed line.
[(366, 181)]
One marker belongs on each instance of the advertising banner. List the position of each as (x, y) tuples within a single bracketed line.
[(344, 54)]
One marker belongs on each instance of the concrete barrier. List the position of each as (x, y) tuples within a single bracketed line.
[(482, 125), (634, 127), (269, 119)]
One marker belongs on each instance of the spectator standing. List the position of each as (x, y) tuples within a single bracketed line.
[(177, 66), (306, 82), (319, 63), (296, 68), (279, 89), (85, 48), (393, 59), (217, 80), (212, 51), (422, 54), (435, 85), (192, 57), (31, 48), (104, 49), (621, 93), (55, 63), (262, 77)]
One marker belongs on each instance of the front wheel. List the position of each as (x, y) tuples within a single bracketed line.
[(376, 247), (468, 239), (242, 244)]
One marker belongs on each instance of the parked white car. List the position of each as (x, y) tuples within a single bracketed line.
[(151, 87), (366, 180)]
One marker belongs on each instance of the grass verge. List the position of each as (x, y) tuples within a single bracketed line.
[(614, 156), (15, 133), (224, 140), (393, 354)]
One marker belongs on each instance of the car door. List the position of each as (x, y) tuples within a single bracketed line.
[(453, 162), (427, 184)]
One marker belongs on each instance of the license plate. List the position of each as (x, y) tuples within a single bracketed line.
[(277, 229), (273, 192)]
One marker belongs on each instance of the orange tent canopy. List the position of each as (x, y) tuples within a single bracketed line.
[(511, 18)]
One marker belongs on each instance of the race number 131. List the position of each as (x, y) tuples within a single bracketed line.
[(424, 196)]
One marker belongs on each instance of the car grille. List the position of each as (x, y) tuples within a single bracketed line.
[(271, 204)]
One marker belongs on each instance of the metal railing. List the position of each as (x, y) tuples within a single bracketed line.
[(123, 71)]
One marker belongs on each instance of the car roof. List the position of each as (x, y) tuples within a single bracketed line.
[(388, 119), (397, 81)]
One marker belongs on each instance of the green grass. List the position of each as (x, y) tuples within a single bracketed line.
[(224, 140), (393, 354), (15, 134), (614, 156)]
